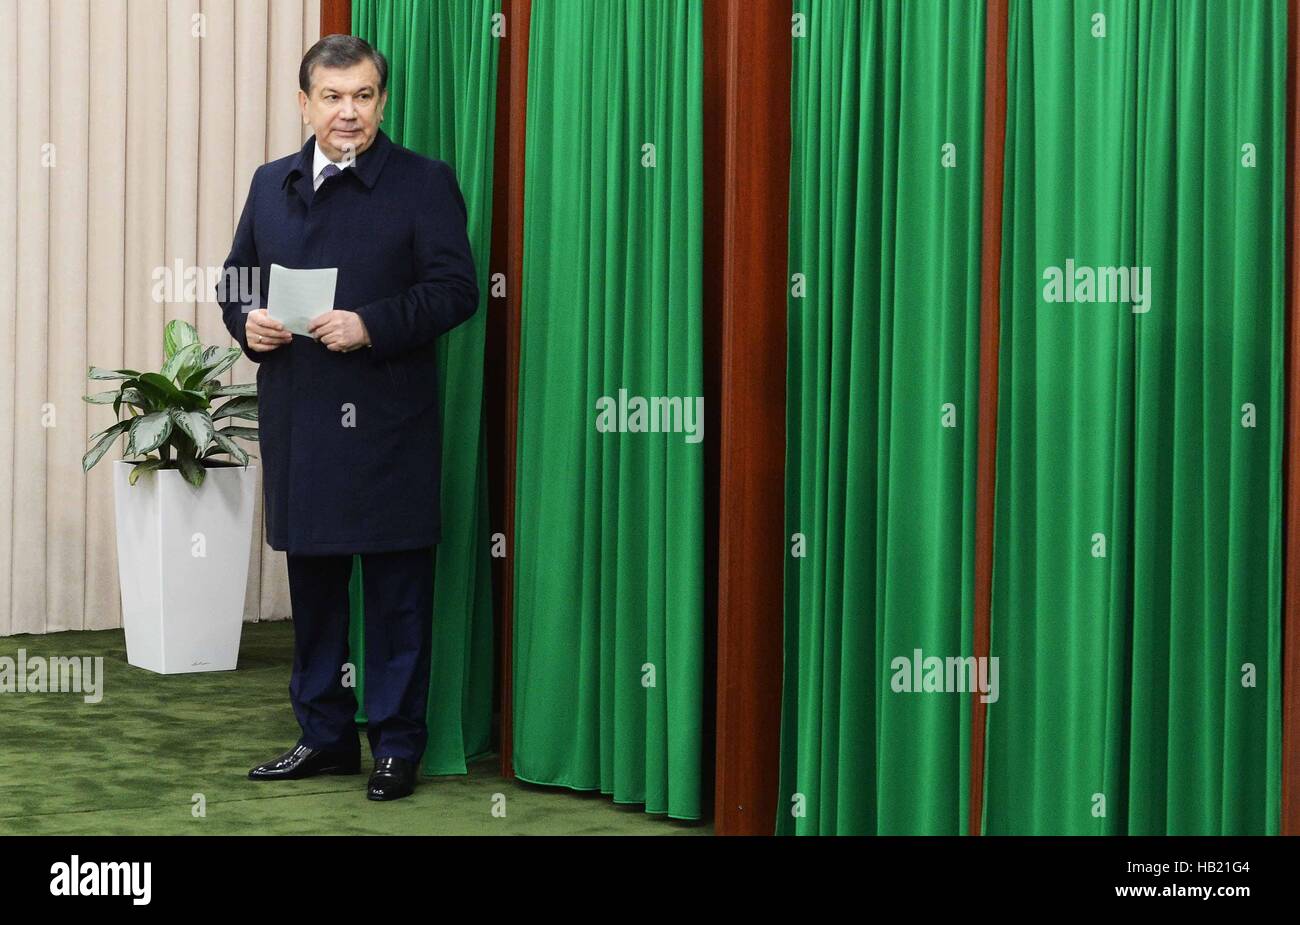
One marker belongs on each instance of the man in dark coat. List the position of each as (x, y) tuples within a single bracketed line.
[(349, 417)]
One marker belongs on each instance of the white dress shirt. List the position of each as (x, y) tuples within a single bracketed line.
[(318, 164)]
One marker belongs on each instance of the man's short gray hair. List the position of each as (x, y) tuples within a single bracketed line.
[(341, 51)]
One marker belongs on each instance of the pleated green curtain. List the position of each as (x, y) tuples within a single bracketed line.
[(442, 104), (609, 595), (882, 388), (1137, 577)]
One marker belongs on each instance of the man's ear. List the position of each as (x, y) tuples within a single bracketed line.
[(302, 106)]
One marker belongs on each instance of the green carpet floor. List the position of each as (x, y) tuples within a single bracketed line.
[(133, 763)]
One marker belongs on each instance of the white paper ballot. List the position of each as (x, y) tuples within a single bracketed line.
[(295, 297)]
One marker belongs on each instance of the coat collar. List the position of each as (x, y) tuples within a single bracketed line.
[(367, 165)]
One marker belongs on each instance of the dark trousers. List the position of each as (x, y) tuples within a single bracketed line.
[(398, 600)]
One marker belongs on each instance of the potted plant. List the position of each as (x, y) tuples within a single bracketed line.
[(184, 516)]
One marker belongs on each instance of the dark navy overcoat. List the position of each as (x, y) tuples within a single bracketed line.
[(351, 442)]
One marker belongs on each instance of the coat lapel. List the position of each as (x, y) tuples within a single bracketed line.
[(367, 166), (302, 167)]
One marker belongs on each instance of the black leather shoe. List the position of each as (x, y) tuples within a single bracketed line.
[(301, 761), (392, 779)]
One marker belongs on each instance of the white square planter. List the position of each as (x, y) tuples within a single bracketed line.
[(182, 560)]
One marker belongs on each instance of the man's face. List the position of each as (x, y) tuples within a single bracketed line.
[(344, 108)]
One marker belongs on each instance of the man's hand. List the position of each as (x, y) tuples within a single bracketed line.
[(264, 333), (340, 330)]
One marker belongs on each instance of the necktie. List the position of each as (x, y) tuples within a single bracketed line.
[(329, 170)]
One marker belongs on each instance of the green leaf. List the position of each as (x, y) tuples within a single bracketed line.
[(196, 425), (223, 364), (184, 357), (191, 470), (177, 336), (241, 406), (96, 452), (216, 448), (247, 388), (118, 426), (200, 371), (160, 386), (131, 396), (97, 372), (191, 400), (235, 430), (141, 467), (102, 398), (155, 398), (231, 447), (149, 432), (192, 371)]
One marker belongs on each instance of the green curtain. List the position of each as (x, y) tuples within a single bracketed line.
[(882, 385), (609, 597), (1137, 578), (442, 104)]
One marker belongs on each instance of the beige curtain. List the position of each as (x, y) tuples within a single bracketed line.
[(137, 125)]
